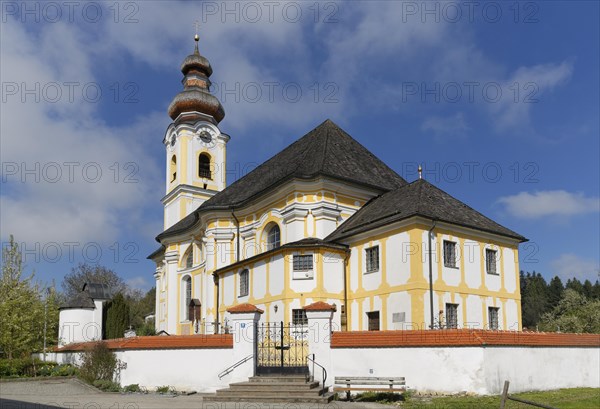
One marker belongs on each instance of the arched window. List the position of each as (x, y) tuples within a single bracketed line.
[(187, 288), (244, 282), (189, 258), (204, 166), (173, 168), (273, 237)]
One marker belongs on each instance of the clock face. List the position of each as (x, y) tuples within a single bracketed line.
[(205, 136)]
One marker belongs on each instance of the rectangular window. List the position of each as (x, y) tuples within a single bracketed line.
[(490, 261), (493, 317), (452, 316), (303, 263), (244, 279), (299, 317), (372, 259), (373, 317), (449, 254)]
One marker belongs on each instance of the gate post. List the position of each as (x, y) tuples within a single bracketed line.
[(244, 321), (319, 315)]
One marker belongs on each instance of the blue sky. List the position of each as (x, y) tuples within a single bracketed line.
[(498, 100)]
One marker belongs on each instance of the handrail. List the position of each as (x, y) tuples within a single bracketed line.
[(321, 366), (232, 367)]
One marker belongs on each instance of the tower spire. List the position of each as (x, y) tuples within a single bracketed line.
[(196, 97)]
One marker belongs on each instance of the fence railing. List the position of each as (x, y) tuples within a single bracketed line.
[(506, 396)]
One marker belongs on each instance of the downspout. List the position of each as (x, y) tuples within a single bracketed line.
[(237, 223), (345, 314), (431, 274), (216, 281)]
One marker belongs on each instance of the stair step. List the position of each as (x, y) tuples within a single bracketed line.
[(278, 378), (271, 399), (273, 392), (273, 385)]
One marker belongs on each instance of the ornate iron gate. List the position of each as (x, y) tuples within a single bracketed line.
[(281, 348)]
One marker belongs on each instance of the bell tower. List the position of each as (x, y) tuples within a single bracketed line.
[(195, 146)]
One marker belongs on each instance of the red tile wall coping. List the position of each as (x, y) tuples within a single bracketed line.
[(244, 308), (319, 306), (159, 342), (460, 338)]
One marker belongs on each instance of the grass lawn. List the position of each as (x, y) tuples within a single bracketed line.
[(578, 398)]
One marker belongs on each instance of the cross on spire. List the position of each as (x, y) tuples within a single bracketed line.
[(196, 36)]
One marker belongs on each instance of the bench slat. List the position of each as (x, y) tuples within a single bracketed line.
[(338, 389), (369, 382), (364, 378)]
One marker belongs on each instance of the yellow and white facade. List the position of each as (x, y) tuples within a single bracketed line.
[(283, 246)]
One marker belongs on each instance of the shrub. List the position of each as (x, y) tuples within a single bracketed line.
[(163, 389), (132, 388), (24, 367), (107, 386), (98, 363), (64, 370)]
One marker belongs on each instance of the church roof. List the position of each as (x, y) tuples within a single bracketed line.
[(419, 198), (325, 151)]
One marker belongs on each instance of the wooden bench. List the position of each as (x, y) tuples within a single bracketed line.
[(358, 383)]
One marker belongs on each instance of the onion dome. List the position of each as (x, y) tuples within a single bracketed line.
[(196, 96)]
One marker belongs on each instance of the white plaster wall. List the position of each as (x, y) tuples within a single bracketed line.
[(509, 276), (78, 325), (276, 275), (512, 315), (472, 263), (398, 302), (259, 280), (474, 312), (474, 369), (184, 369), (398, 260), (425, 369), (324, 226), (228, 283), (333, 272), (540, 368)]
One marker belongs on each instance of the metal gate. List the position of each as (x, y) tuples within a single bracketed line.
[(281, 348)]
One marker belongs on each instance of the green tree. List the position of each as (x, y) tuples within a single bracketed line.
[(534, 299), (555, 291), (85, 273), (588, 289), (140, 305), (117, 317), (575, 284), (574, 313), (24, 308)]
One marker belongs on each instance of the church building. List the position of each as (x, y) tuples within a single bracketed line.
[(322, 220)]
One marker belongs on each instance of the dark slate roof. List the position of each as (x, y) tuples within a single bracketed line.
[(326, 150), (97, 291), (419, 198), (81, 300), (159, 251)]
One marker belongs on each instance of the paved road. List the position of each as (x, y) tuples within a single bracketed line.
[(71, 393)]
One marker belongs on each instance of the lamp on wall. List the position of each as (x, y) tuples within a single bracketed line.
[(275, 308)]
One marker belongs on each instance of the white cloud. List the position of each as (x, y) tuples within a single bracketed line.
[(524, 89), (139, 283), (570, 265), (549, 203), (52, 152), (453, 126)]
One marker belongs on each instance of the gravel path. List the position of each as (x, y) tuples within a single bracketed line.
[(71, 393)]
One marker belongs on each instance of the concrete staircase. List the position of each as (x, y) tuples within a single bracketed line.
[(280, 388)]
